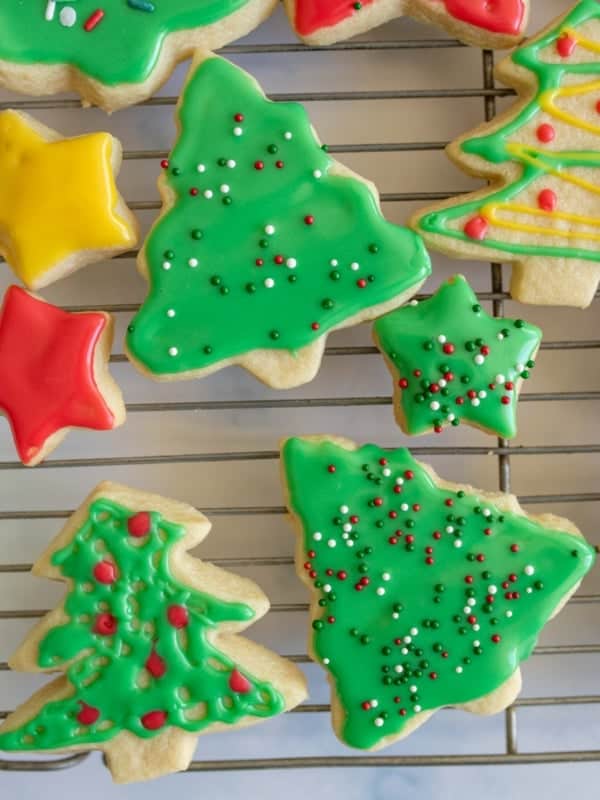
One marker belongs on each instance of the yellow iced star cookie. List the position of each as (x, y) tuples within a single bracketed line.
[(59, 205)]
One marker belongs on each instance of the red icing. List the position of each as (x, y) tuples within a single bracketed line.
[(477, 228), (178, 616), (105, 624), (239, 683), (47, 371), (156, 665), (496, 16), (105, 572), (545, 133), (154, 720), (88, 714), (565, 45), (547, 200), (139, 524)]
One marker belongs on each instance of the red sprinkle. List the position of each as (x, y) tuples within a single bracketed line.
[(165, 163), (403, 383), (514, 548), (239, 118), (309, 219), (259, 165), (448, 348), (378, 501), (94, 19), (193, 191), (279, 164), (342, 574), (496, 638), (331, 468)]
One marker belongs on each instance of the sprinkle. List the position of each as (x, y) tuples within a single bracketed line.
[(231, 163), (237, 131), (50, 10), (141, 5), (171, 312), (317, 173), (166, 265), (331, 543), (269, 283), (269, 230), (529, 570), (93, 20), (173, 351), (192, 262), (224, 188), (208, 194), (288, 135), (291, 263), (67, 16), (317, 536)]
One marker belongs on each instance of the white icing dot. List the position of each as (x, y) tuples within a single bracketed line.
[(334, 262), (458, 543), (520, 367), (288, 135), (442, 339), (354, 266), (231, 163), (208, 194), (471, 601), (386, 576), (317, 173), (291, 263), (479, 359), (237, 131), (434, 405), (529, 590), (269, 283), (378, 722), (192, 262), (344, 535), (171, 312), (386, 472), (201, 168), (350, 542), (500, 379), (224, 188), (380, 591), (344, 509), (269, 230), (451, 417), (529, 570), (166, 265), (331, 543), (404, 651), (317, 536), (414, 303), (466, 610), (476, 628), (395, 615), (68, 16), (173, 351)]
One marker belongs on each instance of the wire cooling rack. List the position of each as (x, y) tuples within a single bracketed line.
[(30, 501)]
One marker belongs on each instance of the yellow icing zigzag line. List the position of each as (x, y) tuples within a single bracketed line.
[(489, 212)]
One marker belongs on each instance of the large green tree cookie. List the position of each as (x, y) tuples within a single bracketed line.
[(114, 52), (265, 243), (451, 361), (424, 593), (542, 158), (146, 639)]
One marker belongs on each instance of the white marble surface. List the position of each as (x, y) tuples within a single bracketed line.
[(554, 728)]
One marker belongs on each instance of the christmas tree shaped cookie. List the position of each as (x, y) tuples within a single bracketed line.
[(451, 361), (425, 594), (480, 22), (54, 373), (265, 244), (542, 158), (59, 205), (147, 639), (117, 52)]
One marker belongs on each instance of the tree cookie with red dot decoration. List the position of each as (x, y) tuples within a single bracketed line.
[(148, 640), (424, 593), (541, 210), (452, 362), (480, 22), (54, 373), (265, 244)]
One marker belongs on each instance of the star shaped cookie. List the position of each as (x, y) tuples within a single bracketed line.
[(53, 373), (59, 205), (452, 362)]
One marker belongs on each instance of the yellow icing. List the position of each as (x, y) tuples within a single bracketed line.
[(56, 198)]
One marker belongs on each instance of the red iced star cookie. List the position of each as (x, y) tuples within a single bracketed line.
[(53, 373)]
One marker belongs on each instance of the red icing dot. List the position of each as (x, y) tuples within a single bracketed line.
[(449, 502), (309, 219), (139, 524), (156, 665), (354, 519), (105, 624), (477, 228), (429, 560), (437, 535), (448, 348), (88, 714), (410, 538), (417, 373), (397, 489), (383, 462), (488, 531), (392, 514), (416, 507), (460, 401), (178, 616), (545, 133), (547, 200), (472, 619), (565, 45), (331, 620), (469, 579), (105, 572), (485, 350), (259, 165), (239, 683), (154, 720), (393, 540)]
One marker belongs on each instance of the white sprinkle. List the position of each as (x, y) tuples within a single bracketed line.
[(378, 722), (331, 543), (344, 509), (386, 576), (414, 303), (449, 529), (269, 230), (192, 262), (231, 163), (291, 263), (486, 512), (354, 266), (327, 587), (399, 669), (50, 10), (386, 472), (407, 639), (399, 481), (404, 651), (224, 188), (374, 703), (529, 570), (416, 709), (458, 543), (201, 168), (317, 536), (509, 614), (459, 670), (466, 610), (475, 402), (414, 631), (395, 615), (476, 643), (380, 591), (529, 590), (492, 589), (442, 339), (479, 359), (208, 194), (500, 379), (451, 417), (413, 689), (434, 405), (326, 661), (269, 283), (347, 527), (288, 135), (520, 367), (237, 131), (350, 542), (317, 173), (171, 312), (483, 394), (404, 507), (68, 16), (471, 601), (476, 628), (166, 265), (173, 351), (344, 535), (442, 383), (334, 262)]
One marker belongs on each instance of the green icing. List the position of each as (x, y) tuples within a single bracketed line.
[(419, 633), (107, 673), (123, 48), (454, 362), (319, 238), (538, 159)]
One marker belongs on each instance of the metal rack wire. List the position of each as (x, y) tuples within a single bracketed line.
[(502, 451)]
